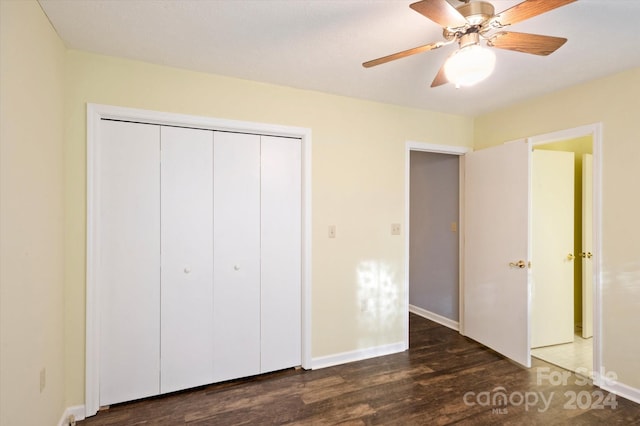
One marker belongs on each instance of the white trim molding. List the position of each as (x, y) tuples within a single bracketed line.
[(620, 389), (77, 411), (440, 149), (357, 355), (95, 113), (454, 325)]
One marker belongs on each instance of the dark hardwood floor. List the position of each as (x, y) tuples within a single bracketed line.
[(444, 378)]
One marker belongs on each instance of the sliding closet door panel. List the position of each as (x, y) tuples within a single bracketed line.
[(187, 258), (280, 253), (236, 262), (128, 270)]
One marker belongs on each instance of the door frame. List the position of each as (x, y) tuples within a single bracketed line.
[(438, 149), (97, 112), (595, 131)]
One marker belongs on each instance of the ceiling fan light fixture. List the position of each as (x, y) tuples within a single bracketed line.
[(471, 23), (469, 65)]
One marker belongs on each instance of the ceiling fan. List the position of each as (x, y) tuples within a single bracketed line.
[(472, 22)]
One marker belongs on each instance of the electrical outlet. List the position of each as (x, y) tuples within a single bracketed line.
[(332, 231), (43, 379), (395, 229)]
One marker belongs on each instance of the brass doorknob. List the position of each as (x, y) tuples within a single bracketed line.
[(570, 256), (519, 264)]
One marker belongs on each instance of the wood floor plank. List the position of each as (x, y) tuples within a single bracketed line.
[(444, 378)]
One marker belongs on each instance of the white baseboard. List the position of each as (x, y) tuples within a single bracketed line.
[(77, 411), (620, 389), (454, 325), (357, 355)]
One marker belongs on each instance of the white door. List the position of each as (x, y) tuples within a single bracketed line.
[(128, 270), (552, 295), (496, 251), (587, 245), (187, 258), (281, 224), (236, 255)]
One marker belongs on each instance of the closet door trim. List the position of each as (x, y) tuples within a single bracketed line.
[(96, 113)]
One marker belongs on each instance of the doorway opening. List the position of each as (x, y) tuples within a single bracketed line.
[(495, 208), (433, 177), (562, 302), (574, 351)]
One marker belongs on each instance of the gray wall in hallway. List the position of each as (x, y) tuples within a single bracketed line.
[(434, 206)]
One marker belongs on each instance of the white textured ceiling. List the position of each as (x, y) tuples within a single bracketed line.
[(321, 44)]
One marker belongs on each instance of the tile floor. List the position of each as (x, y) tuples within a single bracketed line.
[(570, 356)]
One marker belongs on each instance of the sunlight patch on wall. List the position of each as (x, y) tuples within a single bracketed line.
[(379, 301)]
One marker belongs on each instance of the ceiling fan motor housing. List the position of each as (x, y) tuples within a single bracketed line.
[(476, 13), (469, 38)]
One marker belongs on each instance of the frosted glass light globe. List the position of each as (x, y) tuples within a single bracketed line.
[(469, 65)]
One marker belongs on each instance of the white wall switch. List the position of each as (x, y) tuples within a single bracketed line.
[(332, 231)]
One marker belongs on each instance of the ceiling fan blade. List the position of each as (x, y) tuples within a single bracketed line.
[(404, 53), (440, 78), (440, 12), (526, 43), (528, 9)]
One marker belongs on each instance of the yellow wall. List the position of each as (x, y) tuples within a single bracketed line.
[(614, 101), (358, 172), (358, 185), (31, 217)]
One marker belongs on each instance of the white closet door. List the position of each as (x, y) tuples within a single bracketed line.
[(280, 253), (187, 256), (236, 261), (128, 272)]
